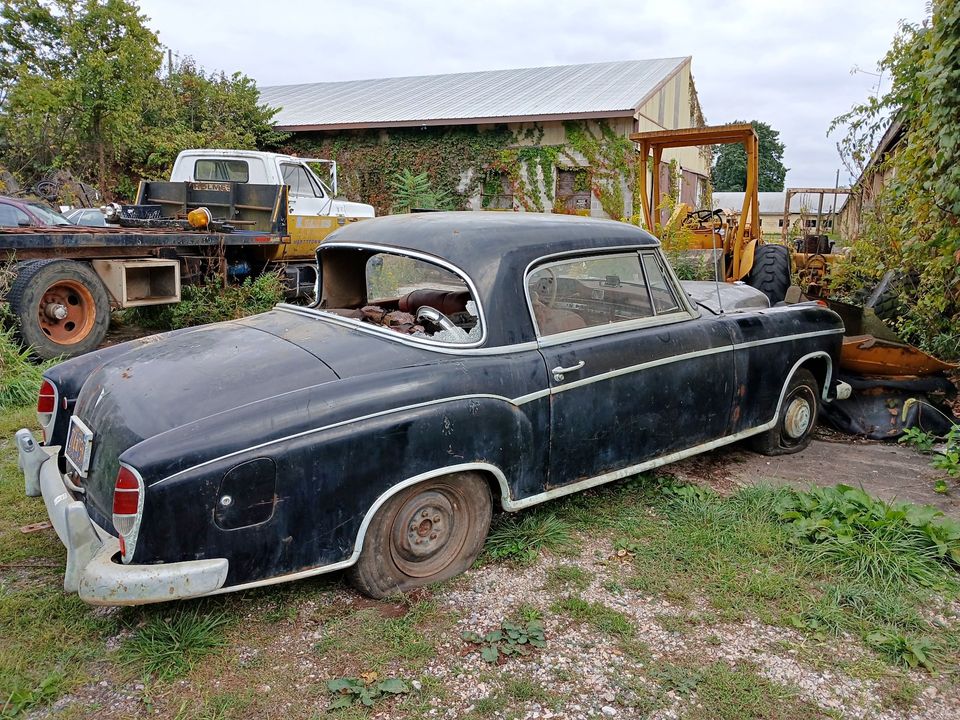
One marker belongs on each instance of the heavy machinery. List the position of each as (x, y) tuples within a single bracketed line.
[(895, 385), (735, 240)]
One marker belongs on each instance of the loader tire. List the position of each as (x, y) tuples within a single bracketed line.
[(61, 307), (770, 273)]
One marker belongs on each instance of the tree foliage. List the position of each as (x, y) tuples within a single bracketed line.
[(729, 173), (80, 88), (913, 225)]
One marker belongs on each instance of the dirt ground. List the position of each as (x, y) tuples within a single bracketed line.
[(884, 469)]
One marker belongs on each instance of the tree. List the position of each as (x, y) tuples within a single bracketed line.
[(80, 88), (913, 226), (729, 173)]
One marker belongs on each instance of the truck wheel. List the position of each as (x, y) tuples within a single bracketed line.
[(425, 534), (798, 417), (61, 306), (770, 273)]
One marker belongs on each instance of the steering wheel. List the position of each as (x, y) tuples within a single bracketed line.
[(425, 312), (546, 286), (702, 216)]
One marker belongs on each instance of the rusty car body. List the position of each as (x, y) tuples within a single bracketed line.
[(452, 361)]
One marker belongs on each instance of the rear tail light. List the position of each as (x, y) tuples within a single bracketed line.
[(127, 509), (47, 408)]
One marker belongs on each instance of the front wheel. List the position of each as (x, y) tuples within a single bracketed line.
[(771, 270), (798, 416), (425, 534)]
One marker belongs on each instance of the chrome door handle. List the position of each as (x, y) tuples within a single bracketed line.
[(559, 371)]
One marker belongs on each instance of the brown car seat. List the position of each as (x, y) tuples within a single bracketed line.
[(553, 320), (446, 301)]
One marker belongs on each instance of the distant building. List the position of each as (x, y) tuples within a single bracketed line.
[(542, 139), (803, 211), (872, 180)]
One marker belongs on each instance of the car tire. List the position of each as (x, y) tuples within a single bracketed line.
[(66, 286), (771, 271), (424, 534), (796, 420)]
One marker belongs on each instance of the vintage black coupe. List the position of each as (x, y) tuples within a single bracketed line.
[(453, 361)]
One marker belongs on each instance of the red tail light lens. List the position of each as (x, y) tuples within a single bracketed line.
[(47, 400), (126, 493), (127, 505)]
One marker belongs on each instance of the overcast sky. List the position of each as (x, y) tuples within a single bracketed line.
[(785, 63)]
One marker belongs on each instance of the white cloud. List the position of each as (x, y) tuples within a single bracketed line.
[(785, 63)]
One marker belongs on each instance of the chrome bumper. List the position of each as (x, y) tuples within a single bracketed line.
[(91, 571)]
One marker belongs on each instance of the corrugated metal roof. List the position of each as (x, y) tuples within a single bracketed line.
[(530, 92), (771, 203)]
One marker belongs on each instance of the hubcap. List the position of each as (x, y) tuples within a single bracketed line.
[(796, 422), (66, 312), (426, 536)]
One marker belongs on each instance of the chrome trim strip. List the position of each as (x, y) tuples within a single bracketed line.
[(426, 257), (687, 356), (403, 339), (331, 426), (368, 518), (612, 329), (515, 505)]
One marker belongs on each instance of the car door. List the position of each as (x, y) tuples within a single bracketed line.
[(310, 218), (635, 373)]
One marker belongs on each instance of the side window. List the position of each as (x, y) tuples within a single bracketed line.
[(299, 181), (588, 292), (12, 217), (222, 170), (661, 289)]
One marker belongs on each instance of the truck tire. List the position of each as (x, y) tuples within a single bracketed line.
[(61, 307), (771, 270)]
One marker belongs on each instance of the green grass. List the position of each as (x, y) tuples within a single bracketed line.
[(369, 641), (521, 538), (171, 643), (740, 693), (750, 555), (20, 377), (605, 619), (568, 577)]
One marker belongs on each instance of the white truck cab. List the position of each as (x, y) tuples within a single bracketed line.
[(314, 209)]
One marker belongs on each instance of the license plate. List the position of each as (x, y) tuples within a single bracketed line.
[(79, 446)]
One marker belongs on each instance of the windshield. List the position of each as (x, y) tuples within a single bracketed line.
[(48, 216), (404, 294)]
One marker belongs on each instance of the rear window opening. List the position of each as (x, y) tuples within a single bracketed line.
[(404, 294), (222, 170)]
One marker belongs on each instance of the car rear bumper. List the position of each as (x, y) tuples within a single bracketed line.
[(91, 570)]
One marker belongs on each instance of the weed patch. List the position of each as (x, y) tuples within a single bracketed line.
[(509, 639), (20, 376), (522, 538), (210, 302), (363, 691), (168, 646), (597, 614), (567, 577)]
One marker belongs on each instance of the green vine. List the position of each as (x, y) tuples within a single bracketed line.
[(467, 162)]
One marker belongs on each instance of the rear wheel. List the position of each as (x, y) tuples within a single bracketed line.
[(425, 534), (798, 416), (770, 273), (61, 307)]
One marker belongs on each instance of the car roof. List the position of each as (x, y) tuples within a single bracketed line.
[(494, 249), (467, 237)]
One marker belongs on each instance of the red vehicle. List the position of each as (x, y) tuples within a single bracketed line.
[(28, 213)]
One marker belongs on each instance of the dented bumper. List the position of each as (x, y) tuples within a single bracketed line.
[(92, 570)]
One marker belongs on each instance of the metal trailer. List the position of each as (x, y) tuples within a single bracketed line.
[(68, 279)]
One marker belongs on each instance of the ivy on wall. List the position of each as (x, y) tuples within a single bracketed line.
[(470, 161)]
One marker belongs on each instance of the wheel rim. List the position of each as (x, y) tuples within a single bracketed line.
[(66, 312), (798, 417), (428, 532)]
